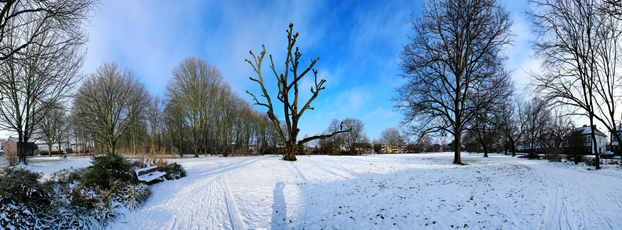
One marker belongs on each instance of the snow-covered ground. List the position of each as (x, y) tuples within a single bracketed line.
[(406, 191)]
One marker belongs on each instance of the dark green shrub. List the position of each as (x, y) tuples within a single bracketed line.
[(23, 199), (590, 162), (45, 153), (575, 157), (19, 184), (173, 171), (108, 169)]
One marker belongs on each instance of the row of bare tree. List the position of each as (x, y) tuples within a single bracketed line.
[(456, 83), (41, 53), (113, 111)]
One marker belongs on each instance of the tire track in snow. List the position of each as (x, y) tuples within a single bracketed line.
[(575, 199), (232, 208), (203, 203)]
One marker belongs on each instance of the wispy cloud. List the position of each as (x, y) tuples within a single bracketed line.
[(358, 43)]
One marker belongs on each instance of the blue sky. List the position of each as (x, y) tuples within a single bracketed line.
[(358, 43)]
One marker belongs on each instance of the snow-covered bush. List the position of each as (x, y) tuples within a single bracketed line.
[(76, 217), (19, 184), (133, 196), (73, 199), (23, 199), (173, 171)]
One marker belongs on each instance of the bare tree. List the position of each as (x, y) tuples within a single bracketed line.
[(392, 137), (49, 126), (356, 133), (456, 47), (577, 40), (513, 121), (154, 120), (174, 123), (109, 102), (338, 141), (194, 87), (290, 102), (486, 125), (537, 116), (552, 142), (36, 78)]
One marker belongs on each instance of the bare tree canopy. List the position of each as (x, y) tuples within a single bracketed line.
[(194, 89), (455, 52), (37, 77), (356, 133), (50, 125), (392, 137), (513, 121), (290, 102), (108, 102), (578, 43), (31, 20)]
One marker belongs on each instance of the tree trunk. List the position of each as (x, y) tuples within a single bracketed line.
[(594, 143), (290, 152), (513, 147), (457, 159), (49, 150), (21, 152), (485, 152)]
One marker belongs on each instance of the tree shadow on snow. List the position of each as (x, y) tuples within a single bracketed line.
[(279, 208)]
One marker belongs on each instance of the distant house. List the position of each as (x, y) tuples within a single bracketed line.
[(615, 146), (10, 148), (385, 148), (65, 147), (583, 137), (451, 146)]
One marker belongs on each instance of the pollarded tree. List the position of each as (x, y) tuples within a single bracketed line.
[(456, 44), (109, 102), (286, 83)]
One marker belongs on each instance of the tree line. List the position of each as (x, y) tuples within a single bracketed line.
[(45, 97), (456, 82)]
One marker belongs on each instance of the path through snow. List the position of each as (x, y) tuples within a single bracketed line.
[(381, 192)]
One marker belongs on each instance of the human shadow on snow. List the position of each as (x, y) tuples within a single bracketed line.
[(279, 208)]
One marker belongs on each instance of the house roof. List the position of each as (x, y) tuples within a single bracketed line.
[(586, 130)]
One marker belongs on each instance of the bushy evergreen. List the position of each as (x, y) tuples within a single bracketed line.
[(18, 185), (106, 170)]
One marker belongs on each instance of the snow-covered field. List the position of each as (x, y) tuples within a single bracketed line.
[(407, 191)]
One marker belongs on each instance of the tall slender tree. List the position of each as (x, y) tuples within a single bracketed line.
[(194, 87)]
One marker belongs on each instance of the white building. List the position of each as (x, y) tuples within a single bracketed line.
[(585, 134)]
